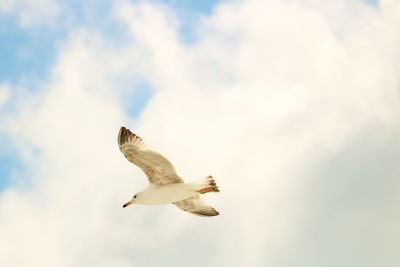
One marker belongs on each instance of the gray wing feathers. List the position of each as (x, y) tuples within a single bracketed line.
[(197, 207), (157, 168)]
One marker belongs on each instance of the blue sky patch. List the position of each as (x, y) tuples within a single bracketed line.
[(9, 164), (24, 54), (372, 2), (190, 13)]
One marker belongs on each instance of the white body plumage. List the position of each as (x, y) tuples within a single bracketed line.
[(170, 193)]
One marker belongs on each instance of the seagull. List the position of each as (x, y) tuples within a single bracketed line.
[(165, 184)]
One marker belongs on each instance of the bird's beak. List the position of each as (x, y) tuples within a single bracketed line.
[(127, 204)]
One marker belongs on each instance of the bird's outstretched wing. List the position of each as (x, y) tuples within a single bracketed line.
[(158, 169), (196, 206)]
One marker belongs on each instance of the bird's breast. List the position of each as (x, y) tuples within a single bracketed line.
[(166, 194)]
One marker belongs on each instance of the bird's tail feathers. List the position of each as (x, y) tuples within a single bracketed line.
[(205, 185)]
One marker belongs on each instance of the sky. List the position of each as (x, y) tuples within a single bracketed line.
[(292, 105)]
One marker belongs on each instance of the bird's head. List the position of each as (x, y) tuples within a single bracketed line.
[(130, 202)]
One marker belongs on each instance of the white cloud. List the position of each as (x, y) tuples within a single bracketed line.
[(4, 93), (31, 12), (272, 91)]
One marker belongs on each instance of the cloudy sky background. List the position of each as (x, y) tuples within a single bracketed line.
[(292, 105)]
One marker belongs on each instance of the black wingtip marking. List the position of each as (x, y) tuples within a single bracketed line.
[(122, 135), (125, 135)]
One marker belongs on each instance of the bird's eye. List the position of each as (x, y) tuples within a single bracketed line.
[(134, 196)]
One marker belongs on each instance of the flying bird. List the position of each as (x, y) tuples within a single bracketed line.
[(165, 184)]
